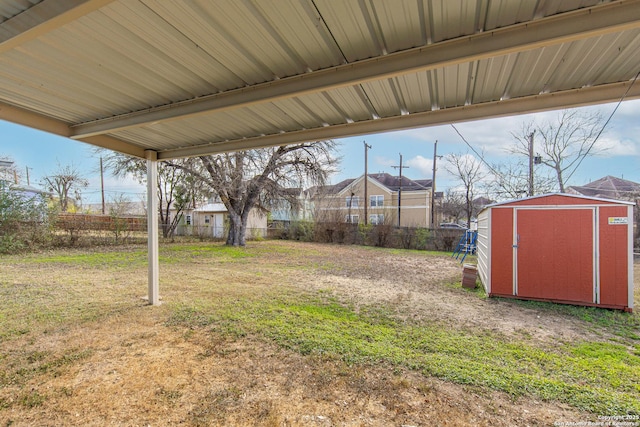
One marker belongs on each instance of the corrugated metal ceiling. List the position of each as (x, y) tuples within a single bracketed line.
[(190, 77)]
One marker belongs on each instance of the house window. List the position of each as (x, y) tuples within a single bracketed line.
[(376, 201), (352, 219), (188, 219), (352, 201), (207, 219), (376, 219)]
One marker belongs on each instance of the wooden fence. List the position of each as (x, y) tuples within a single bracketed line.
[(78, 222)]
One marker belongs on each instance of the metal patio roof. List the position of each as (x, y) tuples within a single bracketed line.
[(191, 77)]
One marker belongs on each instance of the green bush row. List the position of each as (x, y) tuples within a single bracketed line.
[(382, 235)]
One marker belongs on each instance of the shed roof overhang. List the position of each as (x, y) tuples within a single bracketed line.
[(194, 78)]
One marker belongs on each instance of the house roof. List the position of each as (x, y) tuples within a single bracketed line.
[(387, 180), (24, 188), (166, 79), (292, 191), (609, 187), (482, 201), (211, 207), (333, 189), (393, 182)]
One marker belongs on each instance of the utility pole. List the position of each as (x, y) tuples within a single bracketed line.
[(531, 163), (28, 181), (400, 187), (350, 204), (366, 178), (433, 185), (102, 185)]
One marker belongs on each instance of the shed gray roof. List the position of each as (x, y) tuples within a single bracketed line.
[(171, 79)]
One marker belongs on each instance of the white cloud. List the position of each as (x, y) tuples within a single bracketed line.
[(385, 162), (423, 166), (627, 109), (610, 147)]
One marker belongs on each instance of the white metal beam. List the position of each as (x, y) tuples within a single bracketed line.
[(115, 144), (43, 17), (509, 107), (34, 120), (152, 228), (20, 116), (562, 28)]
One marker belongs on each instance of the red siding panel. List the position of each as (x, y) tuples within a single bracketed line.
[(614, 257), (502, 251), (555, 254)]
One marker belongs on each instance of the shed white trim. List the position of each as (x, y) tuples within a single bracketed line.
[(630, 259)]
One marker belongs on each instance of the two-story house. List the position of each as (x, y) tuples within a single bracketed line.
[(389, 200)]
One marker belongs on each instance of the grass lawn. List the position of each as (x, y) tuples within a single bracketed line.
[(383, 331)]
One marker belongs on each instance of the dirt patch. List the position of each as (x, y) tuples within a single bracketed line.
[(144, 373), (415, 288)]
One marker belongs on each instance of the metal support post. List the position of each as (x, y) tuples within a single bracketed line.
[(152, 227)]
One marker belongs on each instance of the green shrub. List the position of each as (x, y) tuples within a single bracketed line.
[(364, 232), (25, 220), (422, 237), (301, 230)]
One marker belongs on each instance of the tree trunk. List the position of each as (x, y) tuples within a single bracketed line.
[(469, 208), (560, 179), (164, 222), (174, 224), (237, 229)]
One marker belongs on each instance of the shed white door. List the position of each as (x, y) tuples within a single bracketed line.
[(555, 254), (218, 225)]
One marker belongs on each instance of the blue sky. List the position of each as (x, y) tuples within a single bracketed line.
[(42, 152)]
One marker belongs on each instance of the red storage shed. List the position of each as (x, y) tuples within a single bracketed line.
[(558, 247)]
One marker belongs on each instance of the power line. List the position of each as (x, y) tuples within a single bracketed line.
[(605, 124), (481, 157), (476, 153)]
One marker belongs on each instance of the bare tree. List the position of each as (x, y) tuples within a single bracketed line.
[(67, 179), (176, 188), (564, 142), (468, 169), (246, 180), (510, 180), (454, 205)]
